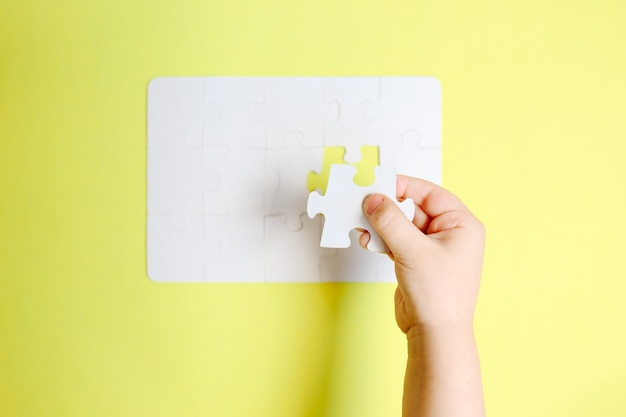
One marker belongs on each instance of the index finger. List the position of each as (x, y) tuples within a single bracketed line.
[(431, 198)]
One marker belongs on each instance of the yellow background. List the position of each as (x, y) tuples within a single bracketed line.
[(534, 114)]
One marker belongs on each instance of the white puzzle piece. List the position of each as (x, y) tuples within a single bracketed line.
[(412, 159), (288, 268), (407, 104), (293, 104), (176, 110), (286, 198), (342, 206), (352, 128), (228, 120), (230, 162), (240, 239), (179, 253)]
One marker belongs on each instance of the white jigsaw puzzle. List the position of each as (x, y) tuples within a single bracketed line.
[(342, 206), (231, 161)]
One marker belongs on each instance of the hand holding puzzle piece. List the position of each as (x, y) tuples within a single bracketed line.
[(341, 206)]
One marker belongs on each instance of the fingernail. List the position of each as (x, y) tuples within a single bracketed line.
[(372, 202)]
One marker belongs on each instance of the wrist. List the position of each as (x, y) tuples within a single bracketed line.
[(427, 340)]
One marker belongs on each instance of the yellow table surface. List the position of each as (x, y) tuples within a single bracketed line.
[(534, 133)]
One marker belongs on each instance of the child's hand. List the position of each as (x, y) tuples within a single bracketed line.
[(438, 261), (438, 257)]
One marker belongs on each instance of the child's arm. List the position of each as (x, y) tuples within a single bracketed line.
[(438, 261)]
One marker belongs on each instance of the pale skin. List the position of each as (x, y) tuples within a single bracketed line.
[(438, 262)]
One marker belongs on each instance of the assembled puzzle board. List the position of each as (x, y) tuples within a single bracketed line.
[(231, 162)]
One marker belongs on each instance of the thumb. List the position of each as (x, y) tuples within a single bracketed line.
[(398, 232)]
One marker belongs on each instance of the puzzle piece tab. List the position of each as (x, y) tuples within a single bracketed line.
[(335, 155), (341, 206)]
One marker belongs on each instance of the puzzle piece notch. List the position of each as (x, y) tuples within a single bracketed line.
[(335, 155), (342, 206)]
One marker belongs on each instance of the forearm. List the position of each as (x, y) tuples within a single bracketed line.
[(443, 373)]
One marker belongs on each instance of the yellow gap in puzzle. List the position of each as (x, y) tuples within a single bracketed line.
[(334, 155)]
